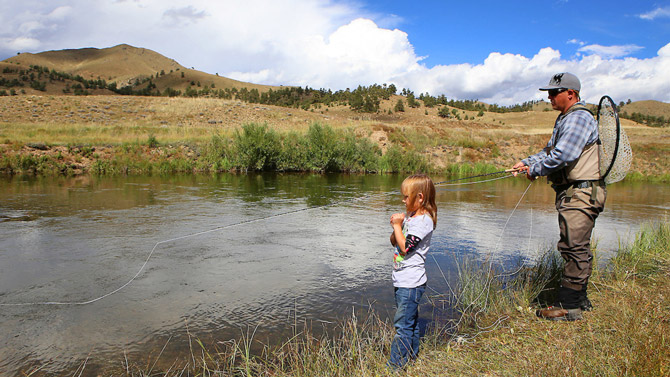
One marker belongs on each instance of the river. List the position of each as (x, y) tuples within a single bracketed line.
[(228, 253)]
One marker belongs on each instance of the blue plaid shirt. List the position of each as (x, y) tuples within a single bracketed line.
[(572, 132)]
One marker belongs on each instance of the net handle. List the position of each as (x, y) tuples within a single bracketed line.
[(618, 131)]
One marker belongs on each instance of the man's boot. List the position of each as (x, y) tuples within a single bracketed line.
[(567, 308), (585, 303), (556, 313)]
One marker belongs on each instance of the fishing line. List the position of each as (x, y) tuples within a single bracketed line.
[(495, 249), (146, 261), (488, 280), (475, 182), (476, 176), (167, 241)]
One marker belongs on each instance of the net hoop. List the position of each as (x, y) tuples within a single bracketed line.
[(618, 131), (615, 151)]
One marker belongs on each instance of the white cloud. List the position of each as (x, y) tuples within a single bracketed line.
[(20, 43), (184, 14), (664, 51), (318, 43), (358, 53), (60, 13), (611, 51), (656, 13), (509, 79)]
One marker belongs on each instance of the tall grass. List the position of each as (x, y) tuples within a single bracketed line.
[(652, 178), (486, 295), (357, 347), (254, 147), (320, 149), (468, 169), (649, 254), (626, 334)]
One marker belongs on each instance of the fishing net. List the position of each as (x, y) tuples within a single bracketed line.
[(615, 152)]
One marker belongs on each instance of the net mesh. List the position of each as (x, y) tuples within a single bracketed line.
[(615, 153)]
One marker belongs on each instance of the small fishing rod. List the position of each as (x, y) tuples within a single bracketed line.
[(146, 261), (518, 170)]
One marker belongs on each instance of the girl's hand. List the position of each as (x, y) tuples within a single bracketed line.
[(397, 218)]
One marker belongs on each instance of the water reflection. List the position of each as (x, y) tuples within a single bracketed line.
[(216, 270)]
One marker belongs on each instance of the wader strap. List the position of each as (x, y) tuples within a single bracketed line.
[(569, 192), (594, 191)]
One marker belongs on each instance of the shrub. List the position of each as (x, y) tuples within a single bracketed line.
[(357, 154), (322, 148), (399, 106), (257, 147), (397, 160), (152, 142), (294, 156)]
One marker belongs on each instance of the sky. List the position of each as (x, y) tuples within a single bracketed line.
[(494, 51)]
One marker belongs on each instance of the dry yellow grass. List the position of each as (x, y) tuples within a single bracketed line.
[(122, 64), (500, 139), (648, 107)]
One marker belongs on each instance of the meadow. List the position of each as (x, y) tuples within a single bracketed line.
[(69, 135)]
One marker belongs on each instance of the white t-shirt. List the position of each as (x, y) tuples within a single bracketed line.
[(410, 271)]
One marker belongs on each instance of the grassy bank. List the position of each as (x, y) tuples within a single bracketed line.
[(71, 135), (498, 334), (254, 147)]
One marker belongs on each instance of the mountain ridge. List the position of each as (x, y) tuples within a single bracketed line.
[(143, 69), (123, 64)]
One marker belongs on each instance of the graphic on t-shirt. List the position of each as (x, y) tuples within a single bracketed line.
[(408, 269), (397, 257)]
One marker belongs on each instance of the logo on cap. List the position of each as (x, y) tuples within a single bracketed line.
[(557, 78)]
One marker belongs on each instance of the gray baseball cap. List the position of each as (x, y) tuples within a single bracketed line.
[(563, 80)]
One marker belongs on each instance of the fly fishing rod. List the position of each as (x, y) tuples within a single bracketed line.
[(518, 170)]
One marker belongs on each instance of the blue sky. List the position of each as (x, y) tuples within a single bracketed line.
[(449, 32), (467, 31), (494, 51)]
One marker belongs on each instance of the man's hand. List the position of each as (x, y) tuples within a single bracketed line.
[(519, 167)]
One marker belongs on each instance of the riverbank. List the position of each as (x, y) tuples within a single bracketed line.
[(105, 135), (625, 334)]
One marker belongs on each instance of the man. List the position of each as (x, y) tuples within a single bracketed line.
[(570, 162)]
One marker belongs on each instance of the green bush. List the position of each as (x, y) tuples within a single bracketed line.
[(357, 154), (322, 148), (216, 151), (152, 142), (294, 156), (399, 106), (397, 160), (256, 147)]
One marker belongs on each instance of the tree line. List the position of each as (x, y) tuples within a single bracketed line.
[(365, 99), (649, 120)]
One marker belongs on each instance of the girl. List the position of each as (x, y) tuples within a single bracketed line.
[(411, 237)]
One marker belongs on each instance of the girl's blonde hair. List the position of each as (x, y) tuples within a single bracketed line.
[(421, 183)]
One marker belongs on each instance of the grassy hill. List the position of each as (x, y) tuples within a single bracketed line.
[(119, 64), (648, 107), (122, 64)]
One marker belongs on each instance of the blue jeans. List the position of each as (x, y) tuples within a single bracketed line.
[(405, 344)]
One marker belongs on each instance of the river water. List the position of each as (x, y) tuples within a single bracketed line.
[(229, 254)]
